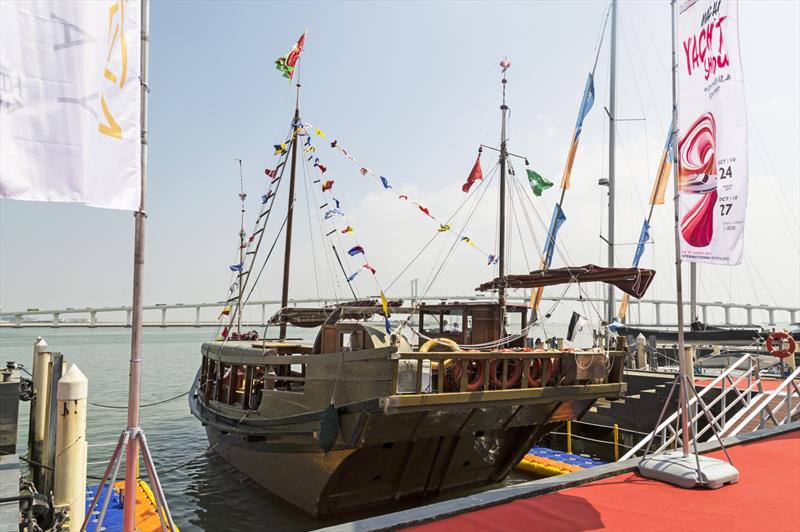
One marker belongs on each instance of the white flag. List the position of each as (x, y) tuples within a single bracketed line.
[(70, 101), (712, 141)]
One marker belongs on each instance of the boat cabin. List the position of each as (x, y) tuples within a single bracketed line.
[(473, 323)]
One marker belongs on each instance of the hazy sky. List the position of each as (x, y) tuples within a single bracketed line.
[(412, 89)]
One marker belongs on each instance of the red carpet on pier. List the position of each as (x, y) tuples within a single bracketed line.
[(767, 498)]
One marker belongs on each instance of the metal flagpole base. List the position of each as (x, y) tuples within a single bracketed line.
[(110, 477), (688, 471)]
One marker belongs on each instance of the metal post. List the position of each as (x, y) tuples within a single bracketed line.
[(692, 291), (616, 442), (49, 454), (683, 395), (70, 461), (134, 376), (612, 106)]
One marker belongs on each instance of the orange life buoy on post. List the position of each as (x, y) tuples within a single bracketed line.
[(775, 344), (475, 374), (512, 378)]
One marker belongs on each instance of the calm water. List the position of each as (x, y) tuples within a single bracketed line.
[(207, 494)]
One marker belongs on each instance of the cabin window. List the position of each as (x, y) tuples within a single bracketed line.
[(431, 323), (453, 323)]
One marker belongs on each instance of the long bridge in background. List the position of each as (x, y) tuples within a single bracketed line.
[(644, 313)]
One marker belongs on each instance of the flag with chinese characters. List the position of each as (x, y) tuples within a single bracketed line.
[(70, 102)]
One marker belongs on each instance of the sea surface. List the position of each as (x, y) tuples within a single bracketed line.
[(205, 494)]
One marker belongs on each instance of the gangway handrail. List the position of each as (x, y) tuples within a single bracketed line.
[(667, 423), (765, 404)]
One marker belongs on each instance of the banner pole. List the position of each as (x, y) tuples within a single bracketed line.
[(683, 393), (134, 378)]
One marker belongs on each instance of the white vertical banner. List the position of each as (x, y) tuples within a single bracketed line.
[(712, 139), (70, 101)]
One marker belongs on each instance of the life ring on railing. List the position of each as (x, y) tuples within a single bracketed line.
[(496, 373), (775, 343), (441, 344), (475, 374), (536, 377)]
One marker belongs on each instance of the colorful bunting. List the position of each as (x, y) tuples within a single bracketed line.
[(384, 304), (237, 267), (423, 208), (271, 173), (466, 240), (264, 198), (644, 236), (476, 174), (443, 228), (322, 167), (336, 201), (327, 185), (347, 230), (366, 266), (333, 212), (226, 311), (385, 182), (353, 276), (355, 250), (310, 149), (538, 183), (402, 197), (363, 171), (662, 176), (287, 63), (387, 325), (321, 134), (280, 149), (333, 144), (491, 260)]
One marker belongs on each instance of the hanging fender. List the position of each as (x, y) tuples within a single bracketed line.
[(776, 342)]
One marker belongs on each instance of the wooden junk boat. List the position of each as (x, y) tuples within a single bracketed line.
[(360, 417)]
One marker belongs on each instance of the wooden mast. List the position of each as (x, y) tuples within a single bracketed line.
[(501, 252), (287, 255)]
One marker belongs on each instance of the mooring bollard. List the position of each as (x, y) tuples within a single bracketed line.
[(39, 408), (71, 448)]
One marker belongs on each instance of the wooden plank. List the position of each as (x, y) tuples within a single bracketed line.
[(419, 376)]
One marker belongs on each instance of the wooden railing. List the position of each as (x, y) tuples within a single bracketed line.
[(462, 370)]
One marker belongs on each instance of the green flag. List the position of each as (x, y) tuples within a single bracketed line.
[(538, 183)]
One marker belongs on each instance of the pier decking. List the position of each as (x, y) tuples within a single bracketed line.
[(766, 498), (615, 497)]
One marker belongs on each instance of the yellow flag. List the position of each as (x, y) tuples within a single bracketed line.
[(443, 228), (662, 178), (225, 311), (384, 304), (320, 133), (623, 308)]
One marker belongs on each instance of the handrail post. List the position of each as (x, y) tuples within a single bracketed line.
[(616, 442), (569, 436)]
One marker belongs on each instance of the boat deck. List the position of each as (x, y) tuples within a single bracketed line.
[(767, 497)]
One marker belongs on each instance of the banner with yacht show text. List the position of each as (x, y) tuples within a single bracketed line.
[(712, 136), (70, 101)]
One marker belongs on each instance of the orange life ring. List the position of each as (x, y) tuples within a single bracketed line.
[(778, 350), (475, 378), (536, 376), (496, 373)]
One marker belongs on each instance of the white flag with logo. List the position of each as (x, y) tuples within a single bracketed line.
[(712, 141), (70, 101)]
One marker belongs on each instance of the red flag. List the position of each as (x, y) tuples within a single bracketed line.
[(475, 175), (366, 266), (322, 167), (364, 171), (402, 196), (423, 208), (327, 185)]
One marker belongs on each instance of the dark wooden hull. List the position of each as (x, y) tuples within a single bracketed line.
[(388, 455)]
